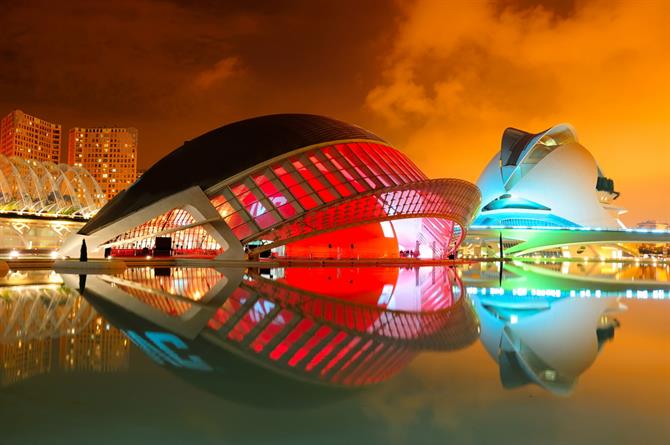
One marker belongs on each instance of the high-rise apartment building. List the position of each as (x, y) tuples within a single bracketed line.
[(108, 153), (29, 137)]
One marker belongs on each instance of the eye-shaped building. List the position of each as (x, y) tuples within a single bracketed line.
[(293, 184)]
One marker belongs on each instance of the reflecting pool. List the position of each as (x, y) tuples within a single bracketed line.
[(533, 352)]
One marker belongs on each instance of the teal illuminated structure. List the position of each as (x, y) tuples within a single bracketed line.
[(546, 180), (545, 194)]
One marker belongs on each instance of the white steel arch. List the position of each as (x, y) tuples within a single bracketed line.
[(44, 188)]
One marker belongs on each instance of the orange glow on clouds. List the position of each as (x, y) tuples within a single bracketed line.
[(460, 73), (439, 79)]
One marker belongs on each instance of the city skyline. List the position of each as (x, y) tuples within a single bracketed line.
[(107, 153), (297, 221), (423, 74)]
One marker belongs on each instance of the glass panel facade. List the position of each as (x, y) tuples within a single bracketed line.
[(315, 190), (323, 176), (426, 199), (141, 240)]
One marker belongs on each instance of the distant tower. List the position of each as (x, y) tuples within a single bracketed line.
[(108, 153), (29, 137)]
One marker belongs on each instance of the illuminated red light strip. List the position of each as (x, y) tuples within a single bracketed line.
[(219, 319), (271, 325), (341, 372), (247, 323), (325, 350), (303, 327), (360, 345), (361, 367), (322, 333), (354, 182), (343, 352)]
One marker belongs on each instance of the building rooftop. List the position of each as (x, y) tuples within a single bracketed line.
[(222, 153)]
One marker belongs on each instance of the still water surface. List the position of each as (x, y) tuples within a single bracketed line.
[(538, 353)]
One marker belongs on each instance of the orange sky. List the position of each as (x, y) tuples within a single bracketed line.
[(440, 80)]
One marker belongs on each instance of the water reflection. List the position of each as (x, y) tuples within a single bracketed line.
[(569, 278), (546, 322), (362, 329), (46, 325), (220, 352), (230, 330), (544, 340)]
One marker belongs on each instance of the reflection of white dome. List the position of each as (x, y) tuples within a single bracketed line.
[(545, 179), (550, 343)]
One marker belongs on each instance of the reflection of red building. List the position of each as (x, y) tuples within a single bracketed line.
[(338, 337), (298, 185), (340, 326)]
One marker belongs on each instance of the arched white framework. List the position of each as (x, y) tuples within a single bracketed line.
[(43, 188), (42, 311), (302, 193), (192, 200)]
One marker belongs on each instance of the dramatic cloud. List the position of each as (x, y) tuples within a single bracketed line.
[(460, 73), (440, 80)]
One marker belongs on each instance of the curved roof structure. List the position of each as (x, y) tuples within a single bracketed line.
[(46, 189), (521, 151), (224, 152), (274, 180), (546, 179)]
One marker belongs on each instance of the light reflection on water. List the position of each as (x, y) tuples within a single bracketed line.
[(287, 339)]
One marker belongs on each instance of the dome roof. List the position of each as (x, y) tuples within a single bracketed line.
[(222, 153), (545, 179)]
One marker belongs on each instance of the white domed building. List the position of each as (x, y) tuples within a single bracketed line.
[(546, 180)]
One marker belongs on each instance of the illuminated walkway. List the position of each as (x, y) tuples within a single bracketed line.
[(538, 239)]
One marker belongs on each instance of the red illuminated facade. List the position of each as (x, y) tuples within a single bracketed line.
[(312, 187)]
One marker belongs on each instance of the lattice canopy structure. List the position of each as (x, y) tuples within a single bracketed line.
[(30, 187), (292, 184)]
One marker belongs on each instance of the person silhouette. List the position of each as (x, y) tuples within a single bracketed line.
[(82, 284), (83, 253)]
